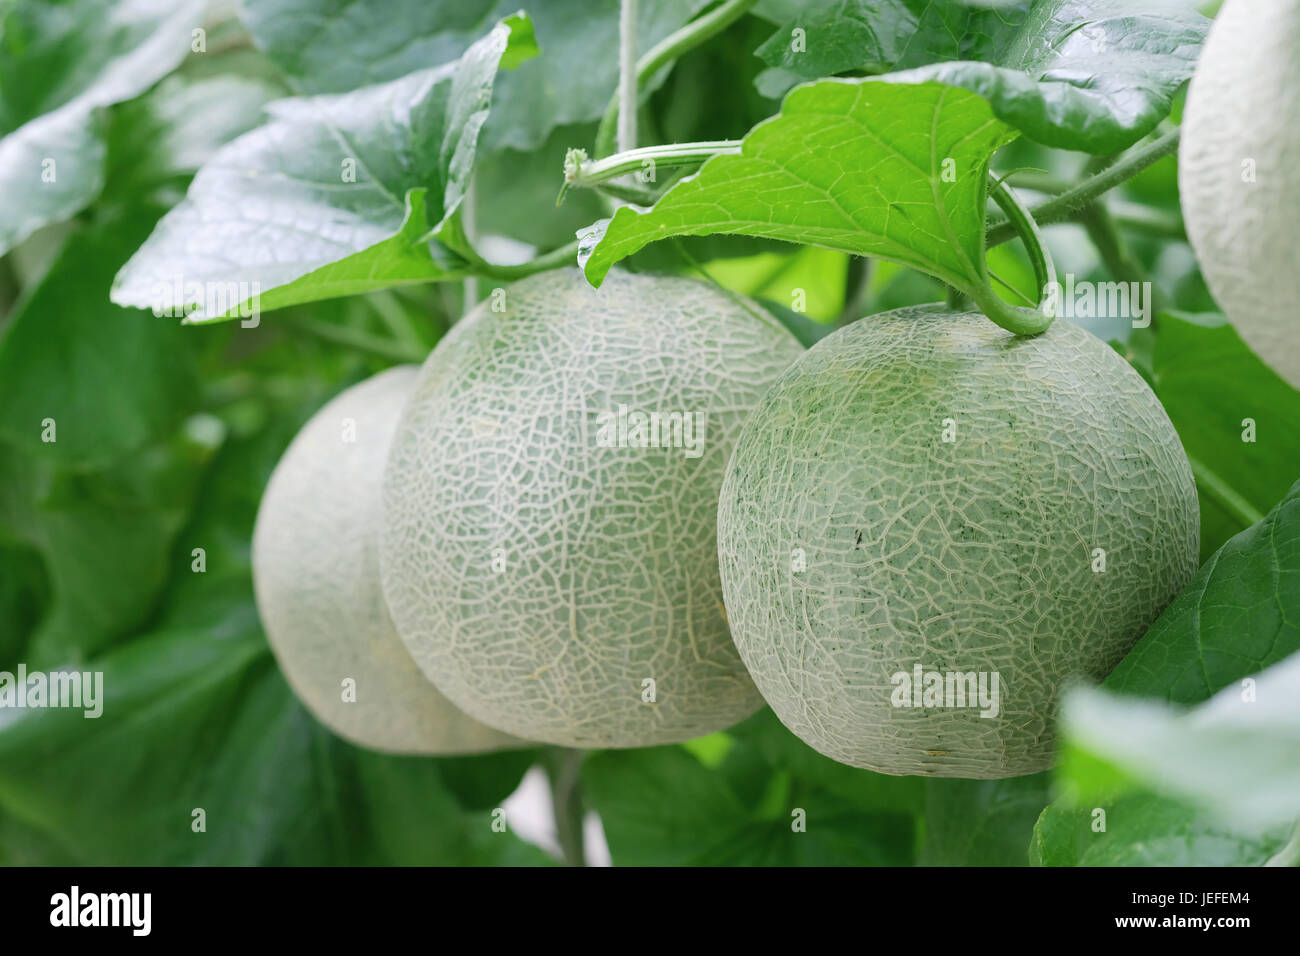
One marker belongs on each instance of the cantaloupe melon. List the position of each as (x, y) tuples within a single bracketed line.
[(923, 489), (1239, 174), (551, 565), (316, 571)]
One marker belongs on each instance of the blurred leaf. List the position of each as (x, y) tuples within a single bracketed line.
[(59, 63), (362, 42), (663, 807), (1091, 75), (853, 165), (1238, 753), (981, 822), (1211, 383), (273, 217), (1143, 829), (110, 379), (196, 716), (514, 193), (105, 537), (175, 128)]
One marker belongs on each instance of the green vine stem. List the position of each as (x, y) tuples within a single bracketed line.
[(563, 770), (1209, 482), (663, 53), (583, 172), (626, 96), (1062, 207), (359, 340), (565, 255), (1016, 319)]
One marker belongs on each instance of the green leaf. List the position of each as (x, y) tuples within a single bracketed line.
[(660, 806), (163, 137), (861, 166), (663, 806), (1091, 75), (1239, 614), (1238, 754), (842, 35), (104, 536), (63, 355), (373, 41), (59, 65), (197, 716), (1214, 387), (1142, 829), (273, 218), (981, 822)]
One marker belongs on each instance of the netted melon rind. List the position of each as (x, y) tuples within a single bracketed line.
[(1239, 174), (971, 555), (316, 572), (542, 579)]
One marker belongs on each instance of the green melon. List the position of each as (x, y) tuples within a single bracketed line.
[(924, 489), (556, 577), (1239, 174), (316, 571)]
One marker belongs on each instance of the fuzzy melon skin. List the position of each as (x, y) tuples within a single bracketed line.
[(973, 555), (1244, 104), (610, 573), (316, 574)]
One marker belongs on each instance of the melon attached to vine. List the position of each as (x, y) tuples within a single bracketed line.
[(316, 571), (1239, 174), (929, 525), (549, 550)]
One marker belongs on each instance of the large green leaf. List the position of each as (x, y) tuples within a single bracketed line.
[(981, 822), (1237, 419), (274, 217), (1238, 753), (1093, 75), (61, 61), (1240, 614), (871, 167), (64, 353), (196, 716), (664, 806), (342, 44)]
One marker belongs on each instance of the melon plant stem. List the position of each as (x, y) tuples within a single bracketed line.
[(627, 77), (663, 53), (356, 339), (1223, 493), (1019, 321), (563, 769), (1062, 207)]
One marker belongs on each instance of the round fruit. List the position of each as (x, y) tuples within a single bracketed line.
[(316, 571), (1239, 173), (551, 563), (924, 494)]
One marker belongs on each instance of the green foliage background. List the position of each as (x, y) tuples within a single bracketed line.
[(168, 433)]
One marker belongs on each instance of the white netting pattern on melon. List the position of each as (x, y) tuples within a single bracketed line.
[(968, 555), (1239, 174), (541, 577), (316, 570)]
